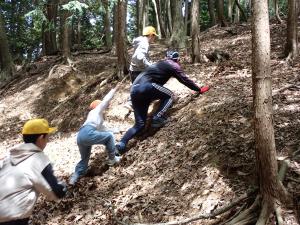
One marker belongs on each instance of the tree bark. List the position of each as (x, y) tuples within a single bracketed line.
[(220, 13), (6, 63), (195, 32), (265, 150), (157, 18), (276, 9), (230, 10), (65, 31), (178, 38), (211, 10), (160, 20), (49, 28), (121, 38), (108, 39), (291, 49)]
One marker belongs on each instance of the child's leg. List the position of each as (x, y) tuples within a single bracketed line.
[(105, 138), (165, 97), (82, 165)]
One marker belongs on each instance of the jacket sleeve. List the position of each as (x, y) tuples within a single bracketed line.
[(142, 54), (182, 78), (105, 102), (43, 179)]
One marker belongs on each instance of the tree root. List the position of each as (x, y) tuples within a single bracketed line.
[(247, 216), (201, 216)]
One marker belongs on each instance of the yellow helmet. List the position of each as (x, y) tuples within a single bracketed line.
[(149, 31), (37, 126)]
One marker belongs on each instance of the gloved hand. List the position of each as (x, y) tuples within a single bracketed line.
[(204, 89)]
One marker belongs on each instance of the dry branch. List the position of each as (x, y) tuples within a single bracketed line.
[(276, 92)]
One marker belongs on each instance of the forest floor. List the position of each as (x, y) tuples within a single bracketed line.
[(201, 160)]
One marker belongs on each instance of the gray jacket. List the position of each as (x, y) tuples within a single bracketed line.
[(24, 174), (140, 59)]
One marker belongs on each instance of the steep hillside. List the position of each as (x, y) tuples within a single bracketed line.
[(201, 160)]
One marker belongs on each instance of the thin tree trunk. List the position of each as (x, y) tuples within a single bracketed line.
[(236, 18), (265, 150), (276, 9), (140, 16), (121, 38), (49, 28), (66, 48), (160, 20), (230, 10), (211, 10), (186, 13), (291, 50), (169, 16), (6, 63), (195, 32), (240, 10), (178, 38), (108, 41), (157, 18), (220, 12)]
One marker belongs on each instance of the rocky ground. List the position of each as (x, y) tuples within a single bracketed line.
[(200, 161)]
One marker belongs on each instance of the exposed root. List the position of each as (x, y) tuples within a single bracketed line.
[(278, 213), (198, 217), (247, 216)]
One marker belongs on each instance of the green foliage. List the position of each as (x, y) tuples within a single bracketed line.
[(75, 7), (38, 18)]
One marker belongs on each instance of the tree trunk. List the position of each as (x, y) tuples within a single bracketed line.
[(291, 49), (178, 38), (276, 9), (6, 63), (211, 10), (49, 28), (239, 9), (265, 150), (145, 13), (220, 12), (157, 18), (121, 38), (169, 16), (108, 41), (160, 20), (230, 10), (186, 13), (65, 23), (195, 32), (140, 16), (65, 30), (79, 34), (237, 12)]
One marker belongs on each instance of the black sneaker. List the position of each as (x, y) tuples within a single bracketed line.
[(120, 148), (158, 122)]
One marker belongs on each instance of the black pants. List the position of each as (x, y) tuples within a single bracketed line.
[(141, 96), (16, 222)]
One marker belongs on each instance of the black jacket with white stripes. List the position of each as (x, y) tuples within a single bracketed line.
[(162, 71)]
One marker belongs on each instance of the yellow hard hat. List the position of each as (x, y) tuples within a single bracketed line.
[(149, 31), (37, 126)]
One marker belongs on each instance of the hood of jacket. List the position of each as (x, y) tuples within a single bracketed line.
[(136, 42), (21, 152)]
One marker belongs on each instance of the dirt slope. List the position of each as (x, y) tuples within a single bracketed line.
[(201, 160)]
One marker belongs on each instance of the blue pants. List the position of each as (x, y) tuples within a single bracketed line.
[(141, 96), (88, 136), (16, 222)]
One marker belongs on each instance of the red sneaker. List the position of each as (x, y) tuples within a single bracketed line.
[(204, 89)]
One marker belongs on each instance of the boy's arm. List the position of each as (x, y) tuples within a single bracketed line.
[(44, 180), (105, 102)]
